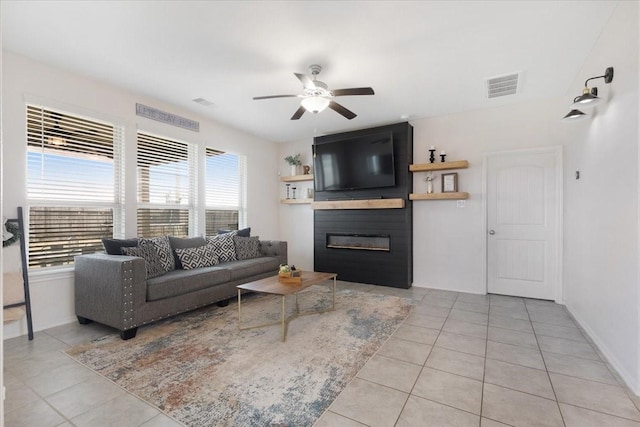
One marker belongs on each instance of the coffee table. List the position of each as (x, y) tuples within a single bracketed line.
[(272, 285)]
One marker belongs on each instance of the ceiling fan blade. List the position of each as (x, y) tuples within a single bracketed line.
[(353, 91), (299, 112), (342, 110), (306, 81), (274, 96)]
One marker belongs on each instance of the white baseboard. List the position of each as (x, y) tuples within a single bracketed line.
[(629, 379)]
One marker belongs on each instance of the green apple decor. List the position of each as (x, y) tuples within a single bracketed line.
[(285, 269)]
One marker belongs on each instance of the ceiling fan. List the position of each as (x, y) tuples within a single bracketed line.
[(317, 96)]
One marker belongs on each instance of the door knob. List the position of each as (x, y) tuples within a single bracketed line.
[(492, 232)]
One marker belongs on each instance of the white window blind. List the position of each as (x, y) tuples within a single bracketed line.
[(166, 186), (74, 185), (224, 177)]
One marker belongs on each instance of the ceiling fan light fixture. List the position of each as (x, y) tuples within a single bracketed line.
[(315, 104)]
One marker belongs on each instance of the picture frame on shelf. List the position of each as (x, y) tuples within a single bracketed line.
[(450, 182)]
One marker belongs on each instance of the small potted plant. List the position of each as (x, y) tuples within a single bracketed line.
[(295, 162)]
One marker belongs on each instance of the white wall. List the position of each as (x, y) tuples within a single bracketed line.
[(296, 221), (52, 294), (447, 244), (600, 210)]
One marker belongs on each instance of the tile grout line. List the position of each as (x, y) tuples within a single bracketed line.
[(42, 398), (418, 377), (553, 389), (484, 370), (484, 373)]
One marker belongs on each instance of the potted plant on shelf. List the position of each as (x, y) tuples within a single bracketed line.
[(295, 162)]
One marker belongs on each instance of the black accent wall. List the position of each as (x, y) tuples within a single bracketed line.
[(393, 268)]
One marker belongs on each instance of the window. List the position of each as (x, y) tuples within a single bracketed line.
[(224, 183), (74, 185), (166, 186)]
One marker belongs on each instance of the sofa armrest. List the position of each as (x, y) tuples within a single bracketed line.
[(109, 288), (275, 248)]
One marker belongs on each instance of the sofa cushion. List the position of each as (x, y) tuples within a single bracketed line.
[(163, 247), (251, 267), (198, 257), (114, 246), (149, 253), (184, 243), (244, 232), (247, 247), (180, 282), (223, 246)]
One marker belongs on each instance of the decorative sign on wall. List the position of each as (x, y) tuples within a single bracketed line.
[(171, 119)]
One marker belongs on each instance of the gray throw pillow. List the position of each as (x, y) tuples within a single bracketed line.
[(247, 247), (114, 246), (224, 247), (149, 253), (201, 256), (163, 247), (244, 232)]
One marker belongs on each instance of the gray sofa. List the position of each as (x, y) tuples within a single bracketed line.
[(114, 289)]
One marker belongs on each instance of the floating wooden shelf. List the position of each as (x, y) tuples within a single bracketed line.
[(439, 196), (297, 178), (425, 167), (360, 204), (295, 201)]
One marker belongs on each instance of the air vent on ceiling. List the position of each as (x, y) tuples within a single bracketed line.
[(503, 85), (203, 102)]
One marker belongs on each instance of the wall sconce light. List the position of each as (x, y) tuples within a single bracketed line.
[(589, 97), (574, 115)]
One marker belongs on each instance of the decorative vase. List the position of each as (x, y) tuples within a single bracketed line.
[(294, 170), (429, 187)]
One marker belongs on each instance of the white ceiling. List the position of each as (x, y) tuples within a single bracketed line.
[(423, 59)]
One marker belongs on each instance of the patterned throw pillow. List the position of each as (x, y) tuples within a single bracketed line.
[(201, 256), (223, 246), (163, 247), (247, 247), (149, 253), (184, 243)]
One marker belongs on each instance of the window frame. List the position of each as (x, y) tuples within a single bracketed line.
[(154, 207), (240, 207), (81, 129)]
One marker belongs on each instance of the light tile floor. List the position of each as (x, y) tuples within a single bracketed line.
[(459, 359), (485, 360)]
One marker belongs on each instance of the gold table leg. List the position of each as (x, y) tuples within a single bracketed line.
[(333, 302), (283, 316), (239, 309), (284, 323)]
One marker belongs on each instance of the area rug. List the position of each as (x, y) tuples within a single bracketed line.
[(200, 370)]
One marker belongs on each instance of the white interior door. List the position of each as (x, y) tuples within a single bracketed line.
[(523, 217)]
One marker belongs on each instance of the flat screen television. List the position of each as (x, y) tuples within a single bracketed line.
[(355, 163)]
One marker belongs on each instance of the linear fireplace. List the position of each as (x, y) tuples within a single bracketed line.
[(366, 242), (373, 243)]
